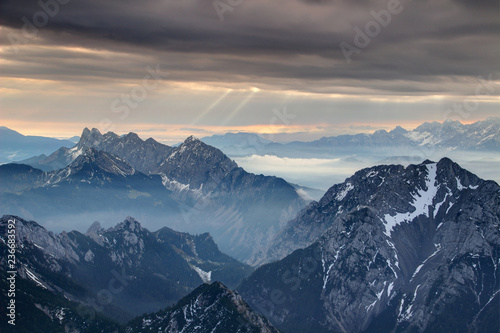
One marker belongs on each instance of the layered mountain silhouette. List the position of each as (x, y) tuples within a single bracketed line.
[(95, 184), (16, 147), (449, 135), (193, 187), (119, 272), (391, 249)]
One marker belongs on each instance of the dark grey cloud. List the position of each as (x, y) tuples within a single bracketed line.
[(282, 43)]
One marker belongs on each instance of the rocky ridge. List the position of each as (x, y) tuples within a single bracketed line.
[(148, 270)]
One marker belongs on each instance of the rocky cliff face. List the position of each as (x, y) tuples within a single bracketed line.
[(392, 248), (197, 164)]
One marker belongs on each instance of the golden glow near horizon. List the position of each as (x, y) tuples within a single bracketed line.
[(171, 133), (58, 104)]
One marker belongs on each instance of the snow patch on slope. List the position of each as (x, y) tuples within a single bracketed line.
[(342, 194), (421, 202), (460, 187), (33, 277), (205, 276), (75, 152)]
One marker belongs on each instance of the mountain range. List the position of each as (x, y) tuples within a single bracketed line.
[(104, 280), (446, 136), (119, 272), (392, 249), (192, 187), (210, 308)]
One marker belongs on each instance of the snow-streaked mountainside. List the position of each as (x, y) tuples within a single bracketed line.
[(208, 309), (203, 189), (449, 135), (393, 248), (15, 146), (153, 269), (481, 135), (396, 192)]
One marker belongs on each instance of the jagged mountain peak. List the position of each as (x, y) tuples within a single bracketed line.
[(129, 224), (91, 166), (197, 164), (428, 125), (451, 122), (398, 130), (196, 147), (89, 138), (30, 232), (380, 132), (193, 146), (94, 228), (132, 136), (191, 139)]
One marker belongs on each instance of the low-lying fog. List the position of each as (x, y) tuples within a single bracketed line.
[(322, 173)]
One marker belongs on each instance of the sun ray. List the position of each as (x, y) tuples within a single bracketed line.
[(213, 105), (239, 107)]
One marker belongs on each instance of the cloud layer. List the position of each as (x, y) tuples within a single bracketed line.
[(425, 50)]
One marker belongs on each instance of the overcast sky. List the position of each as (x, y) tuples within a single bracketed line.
[(302, 68)]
